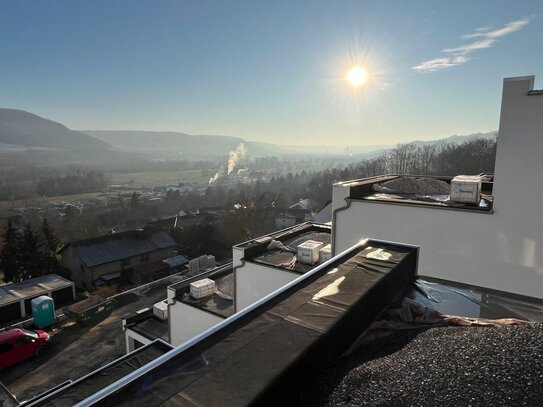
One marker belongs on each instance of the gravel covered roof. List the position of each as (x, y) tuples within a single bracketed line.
[(451, 366)]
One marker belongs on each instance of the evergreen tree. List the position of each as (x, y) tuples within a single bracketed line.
[(51, 241), (47, 250), (9, 260), (30, 257)]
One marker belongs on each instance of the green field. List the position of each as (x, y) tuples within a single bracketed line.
[(156, 179), (39, 202), (128, 180)]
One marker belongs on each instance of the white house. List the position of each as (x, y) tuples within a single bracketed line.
[(498, 246)]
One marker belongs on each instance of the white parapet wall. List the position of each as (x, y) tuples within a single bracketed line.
[(187, 321), (134, 340), (254, 281), (502, 250)]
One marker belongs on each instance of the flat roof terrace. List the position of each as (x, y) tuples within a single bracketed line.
[(427, 191), (221, 303), (247, 358), (279, 249)]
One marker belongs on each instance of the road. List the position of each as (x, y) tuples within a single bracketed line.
[(76, 350)]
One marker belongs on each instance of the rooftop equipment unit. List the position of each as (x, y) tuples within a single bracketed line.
[(466, 189), (194, 266), (160, 310), (325, 253), (211, 263), (203, 262), (308, 252), (202, 288)]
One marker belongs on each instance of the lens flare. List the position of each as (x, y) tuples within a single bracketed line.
[(357, 76)]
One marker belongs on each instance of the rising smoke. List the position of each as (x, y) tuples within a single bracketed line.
[(234, 157)]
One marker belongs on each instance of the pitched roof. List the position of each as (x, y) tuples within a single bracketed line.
[(106, 249), (324, 215), (306, 204)]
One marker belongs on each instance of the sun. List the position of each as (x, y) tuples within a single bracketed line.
[(357, 76)]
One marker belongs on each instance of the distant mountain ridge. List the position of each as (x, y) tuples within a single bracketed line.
[(24, 130), (456, 139), (21, 128), (179, 144)]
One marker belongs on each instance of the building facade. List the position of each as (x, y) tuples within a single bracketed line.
[(499, 248), (106, 257)]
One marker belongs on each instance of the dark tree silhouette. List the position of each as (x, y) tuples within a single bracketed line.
[(9, 260)]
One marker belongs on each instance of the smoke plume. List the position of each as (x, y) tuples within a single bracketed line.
[(235, 156)]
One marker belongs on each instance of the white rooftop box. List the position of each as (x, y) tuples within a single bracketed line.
[(308, 252), (325, 253), (202, 288), (160, 310), (466, 189)]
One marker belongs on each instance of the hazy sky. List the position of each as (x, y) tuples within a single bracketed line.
[(269, 70)]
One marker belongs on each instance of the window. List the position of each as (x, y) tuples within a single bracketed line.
[(82, 268), (144, 258), (23, 340), (5, 347), (31, 333), (125, 262)]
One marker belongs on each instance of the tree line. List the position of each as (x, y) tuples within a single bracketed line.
[(29, 253), (78, 182), (472, 157)]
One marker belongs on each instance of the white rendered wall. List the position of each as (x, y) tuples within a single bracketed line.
[(255, 281), (503, 250), (187, 321), (131, 336)]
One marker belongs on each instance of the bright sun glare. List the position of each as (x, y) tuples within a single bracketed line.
[(357, 76)]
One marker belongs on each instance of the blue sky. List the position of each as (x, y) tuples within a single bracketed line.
[(269, 70)]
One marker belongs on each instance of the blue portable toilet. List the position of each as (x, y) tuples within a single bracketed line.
[(43, 311)]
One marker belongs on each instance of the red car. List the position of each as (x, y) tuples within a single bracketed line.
[(18, 344)]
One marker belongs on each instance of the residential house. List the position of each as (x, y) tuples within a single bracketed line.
[(95, 261)]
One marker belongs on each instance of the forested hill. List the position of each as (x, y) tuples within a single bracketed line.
[(175, 143), (20, 128)]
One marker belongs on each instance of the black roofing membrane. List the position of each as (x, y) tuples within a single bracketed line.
[(302, 329), (76, 392)]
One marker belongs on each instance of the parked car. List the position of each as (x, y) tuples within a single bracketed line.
[(19, 344)]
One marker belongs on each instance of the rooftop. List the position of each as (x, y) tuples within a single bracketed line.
[(278, 249), (428, 191), (221, 302), (176, 261), (106, 249), (78, 390), (251, 354), (32, 288), (152, 328), (448, 366), (399, 358)]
